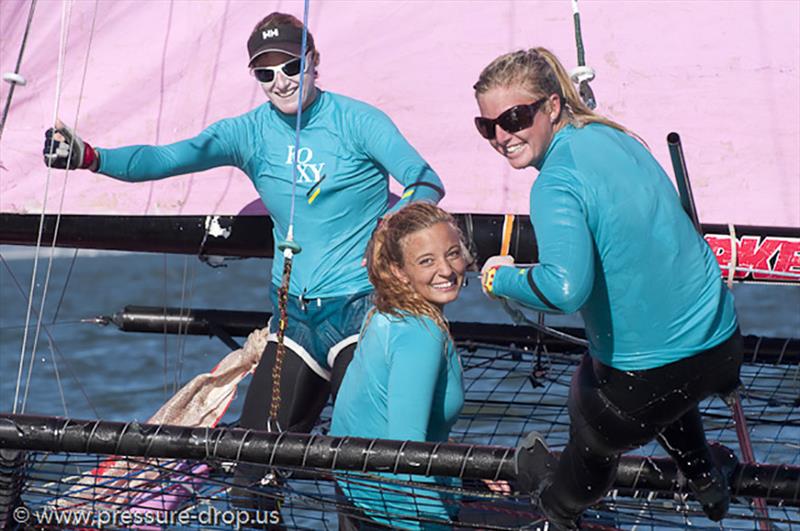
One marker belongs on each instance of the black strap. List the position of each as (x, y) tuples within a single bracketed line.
[(539, 293)]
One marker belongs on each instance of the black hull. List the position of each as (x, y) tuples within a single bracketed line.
[(251, 236)]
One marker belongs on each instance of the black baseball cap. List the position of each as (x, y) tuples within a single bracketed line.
[(285, 38)]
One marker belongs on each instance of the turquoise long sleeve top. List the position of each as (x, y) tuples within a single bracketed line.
[(615, 244), (347, 151), (404, 383)]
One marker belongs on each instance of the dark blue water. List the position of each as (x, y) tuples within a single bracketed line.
[(90, 371)]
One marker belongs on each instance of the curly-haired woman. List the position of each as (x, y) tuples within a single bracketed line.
[(405, 380)]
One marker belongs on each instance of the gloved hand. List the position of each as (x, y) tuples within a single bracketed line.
[(63, 149), (490, 268)]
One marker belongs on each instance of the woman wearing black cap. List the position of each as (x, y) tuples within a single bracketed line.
[(346, 151)]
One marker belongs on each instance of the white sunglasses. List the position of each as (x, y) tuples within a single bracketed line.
[(291, 68)]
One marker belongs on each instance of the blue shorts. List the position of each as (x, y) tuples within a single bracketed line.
[(318, 329)]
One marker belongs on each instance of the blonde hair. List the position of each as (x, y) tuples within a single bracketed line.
[(385, 249), (539, 72)]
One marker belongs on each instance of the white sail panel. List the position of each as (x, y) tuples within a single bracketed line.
[(725, 75)]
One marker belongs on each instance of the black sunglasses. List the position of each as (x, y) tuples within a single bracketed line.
[(266, 74), (515, 119)]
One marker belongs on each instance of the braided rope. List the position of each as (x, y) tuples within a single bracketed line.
[(289, 247), (283, 299)]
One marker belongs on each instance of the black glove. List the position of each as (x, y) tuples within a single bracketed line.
[(63, 149)]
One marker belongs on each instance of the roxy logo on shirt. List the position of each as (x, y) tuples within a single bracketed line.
[(307, 171)]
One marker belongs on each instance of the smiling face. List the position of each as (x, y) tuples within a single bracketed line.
[(282, 91), (433, 263), (526, 147)]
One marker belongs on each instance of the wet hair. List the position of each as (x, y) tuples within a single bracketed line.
[(385, 249), (539, 72)]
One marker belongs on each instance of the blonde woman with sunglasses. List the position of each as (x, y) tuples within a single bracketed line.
[(615, 245)]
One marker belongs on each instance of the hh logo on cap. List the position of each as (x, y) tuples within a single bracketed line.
[(269, 34)]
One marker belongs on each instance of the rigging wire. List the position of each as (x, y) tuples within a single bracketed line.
[(64, 288), (60, 206), (165, 334), (298, 121), (189, 272), (51, 324), (16, 79), (51, 339), (288, 246), (59, 79), (57, 374)]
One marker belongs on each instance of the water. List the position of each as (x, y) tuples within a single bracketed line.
[(90, 371)]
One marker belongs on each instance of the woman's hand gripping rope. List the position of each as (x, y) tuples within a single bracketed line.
[(491, 265), (489, 270)]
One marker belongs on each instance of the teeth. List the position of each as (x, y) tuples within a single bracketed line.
[(514, 149), (443, 285)]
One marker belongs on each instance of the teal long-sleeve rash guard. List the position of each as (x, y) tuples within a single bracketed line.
[(347, 151), (615, 244), (404, 383)]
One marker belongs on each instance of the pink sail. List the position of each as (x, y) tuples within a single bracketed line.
[(725, 75)]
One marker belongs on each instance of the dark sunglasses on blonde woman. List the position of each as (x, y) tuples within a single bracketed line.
[(515, 119)]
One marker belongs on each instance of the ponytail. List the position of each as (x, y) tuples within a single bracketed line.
[(539, 72)]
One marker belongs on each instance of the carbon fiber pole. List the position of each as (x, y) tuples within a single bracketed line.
[(780, 484), (197, 321), (682, 178), (733, 400)]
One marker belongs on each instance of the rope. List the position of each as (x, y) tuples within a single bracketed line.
[(516, 315), (508, 229), (15, 78), (505, 245), (289, 247), (298, 121), (582, 74), (734, 256), (283, 298), (59, 210), (59, 77)]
